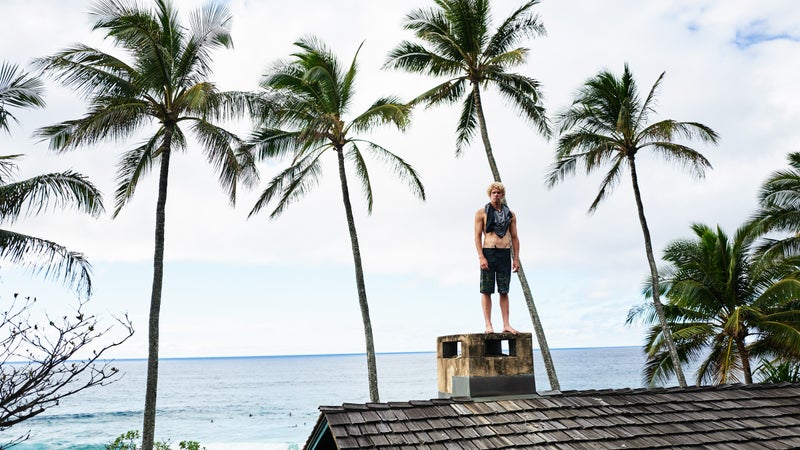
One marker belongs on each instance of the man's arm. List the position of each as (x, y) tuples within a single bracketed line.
[(479, 224), (512, 229)]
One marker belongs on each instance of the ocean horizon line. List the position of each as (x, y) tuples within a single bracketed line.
[(314, 355)]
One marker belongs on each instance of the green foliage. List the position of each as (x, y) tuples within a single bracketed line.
[(779, 211), (727, 304), (17, 90), (607, 125), (130, 441), (125, 441), (310, 98), (161, 84), (38, 194), (455, 41), (786, 371)]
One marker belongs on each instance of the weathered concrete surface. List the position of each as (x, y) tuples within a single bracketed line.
[(479, 355)]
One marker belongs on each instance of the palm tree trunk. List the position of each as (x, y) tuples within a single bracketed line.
[(372, 368), (744, 355), (149, 426), (547, 359), (476, 95), (648, 246)]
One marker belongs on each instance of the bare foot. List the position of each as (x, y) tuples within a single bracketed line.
[(510, 329), (489, 329)]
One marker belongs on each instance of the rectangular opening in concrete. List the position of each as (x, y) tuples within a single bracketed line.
[(451, 349), (501, 347)]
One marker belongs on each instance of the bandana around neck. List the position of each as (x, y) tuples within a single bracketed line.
[(497, 221)]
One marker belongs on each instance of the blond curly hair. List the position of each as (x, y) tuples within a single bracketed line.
[(496, 185)]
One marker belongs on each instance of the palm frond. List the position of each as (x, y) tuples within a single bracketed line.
[(290, 185), (273, 143), (402, 169), (683, 155), (309, 97), (522, 92), (449, 91), (89, 72), (8, 167), (248, 170), (436, 27), (322, 74), (230, 105), (219, 147), (48, 259), (384, 110), (467, 124), (648, 106), (116, 119), (522, 23), (210, 29), (609, 182), (135, 164), (18, 90), (354, 155), (59, 190), (415, 58)]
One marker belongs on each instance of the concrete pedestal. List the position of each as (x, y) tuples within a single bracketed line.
[(485, 365)]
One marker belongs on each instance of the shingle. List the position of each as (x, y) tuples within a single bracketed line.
[(741, 417)]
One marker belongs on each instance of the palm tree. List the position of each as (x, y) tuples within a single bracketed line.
[(726, 306), (35, 195), (457, 43), (161, 80), (312, 94), (780, 371), (607, 124), (779, 210)]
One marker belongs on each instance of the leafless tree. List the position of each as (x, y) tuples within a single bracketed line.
[(45, 359)]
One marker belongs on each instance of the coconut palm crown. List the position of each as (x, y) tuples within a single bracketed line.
[(308, 116), (456, 43)]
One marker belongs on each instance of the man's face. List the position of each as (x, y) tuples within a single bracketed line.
[(496, 196)]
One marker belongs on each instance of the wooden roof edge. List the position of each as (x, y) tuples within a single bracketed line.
[(345, 407), (320, 428), (669, 389), (351, 407)]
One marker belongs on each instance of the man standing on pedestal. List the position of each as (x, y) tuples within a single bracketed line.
[(495, 238)]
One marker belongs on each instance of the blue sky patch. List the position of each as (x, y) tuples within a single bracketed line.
[(759, 31)]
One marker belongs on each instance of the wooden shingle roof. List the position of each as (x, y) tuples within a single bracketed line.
[(755, 416)]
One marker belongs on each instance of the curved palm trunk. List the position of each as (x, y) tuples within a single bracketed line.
[(476, 95), (149, 426), (526, 289), (372, 368), (648, 246)]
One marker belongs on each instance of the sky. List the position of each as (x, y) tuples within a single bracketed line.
[(245, 287)]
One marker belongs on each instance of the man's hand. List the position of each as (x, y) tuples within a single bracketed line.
[(515, 265), (484, 263)]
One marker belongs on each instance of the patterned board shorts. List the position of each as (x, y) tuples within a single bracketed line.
[(499, 270)]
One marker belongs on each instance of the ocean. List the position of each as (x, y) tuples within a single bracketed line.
[(271, 403)]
